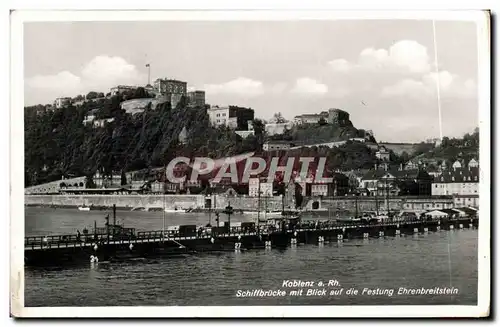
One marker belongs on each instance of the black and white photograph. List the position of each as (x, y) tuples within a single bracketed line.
[(250, 164)]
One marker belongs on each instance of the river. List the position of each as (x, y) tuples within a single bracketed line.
[(435, 259)]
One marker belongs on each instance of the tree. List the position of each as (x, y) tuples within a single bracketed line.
[(89, 181), (405, 157), (123, 179), (299, 198), (278, 118), (322, 121), (140, 92), (92, 95)]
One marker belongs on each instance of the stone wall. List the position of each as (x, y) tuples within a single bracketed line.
[(130, 201), (248, 203), (239, 202)]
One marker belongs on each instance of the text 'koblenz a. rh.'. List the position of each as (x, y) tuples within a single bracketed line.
[(300, 283)]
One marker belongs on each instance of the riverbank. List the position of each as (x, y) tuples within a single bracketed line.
[(245, 203)]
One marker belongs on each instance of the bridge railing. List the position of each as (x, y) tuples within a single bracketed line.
[(52, 241)]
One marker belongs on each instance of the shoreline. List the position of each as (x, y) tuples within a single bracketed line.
[(318, 213)]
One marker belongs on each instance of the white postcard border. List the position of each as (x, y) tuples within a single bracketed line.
[(17, 173)]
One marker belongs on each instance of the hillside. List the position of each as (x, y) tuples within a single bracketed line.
[(57, 143), (320, 133), (452, 149)]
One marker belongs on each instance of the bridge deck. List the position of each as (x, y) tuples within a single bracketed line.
[(66, 241)]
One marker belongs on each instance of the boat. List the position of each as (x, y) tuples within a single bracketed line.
[(84, 208), (176, 210)]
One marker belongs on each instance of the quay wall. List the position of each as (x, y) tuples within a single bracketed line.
[(371, 203), (128, 201), (240, 202)]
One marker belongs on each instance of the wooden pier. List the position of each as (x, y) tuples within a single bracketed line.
[(62, 250)]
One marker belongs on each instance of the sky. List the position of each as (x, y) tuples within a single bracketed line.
[(383, 72)]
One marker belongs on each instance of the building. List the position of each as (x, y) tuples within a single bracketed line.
[(170, 90), (106, 181), (276, 146), (412, 164), (90, 117), (461, 183), (397, 182), (456, 165), (358, 139), (102, 122), (122, 89), (164, 86), (255, 186), (62, 102), (473, 163), (245, 134), (320, 189), (310, 118), (382, 154), (231, 116), (277, 128), (338, 117), (196, 98)]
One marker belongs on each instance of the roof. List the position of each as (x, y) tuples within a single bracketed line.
[(375, 174), (469, 211), (309, 116), (448, 211), (459, 175), (398, 174), (436, 212), (277, 142)]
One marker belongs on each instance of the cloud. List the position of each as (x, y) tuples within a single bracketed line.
[(450, 85), (61, 81), (306, 86), (104, 71), (241, 86), (405, 56), (403, 69), (99, 74)]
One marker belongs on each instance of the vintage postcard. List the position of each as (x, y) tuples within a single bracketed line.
[(250, 164)]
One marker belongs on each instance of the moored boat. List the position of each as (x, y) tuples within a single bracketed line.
[(84, 208)]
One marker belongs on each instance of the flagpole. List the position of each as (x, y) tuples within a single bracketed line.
[(149, 73)]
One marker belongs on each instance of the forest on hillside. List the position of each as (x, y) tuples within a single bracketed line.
[(451, 149), (57, 143)]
